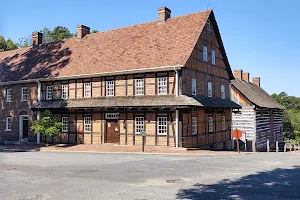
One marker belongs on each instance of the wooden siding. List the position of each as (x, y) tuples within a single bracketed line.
[(245, 121)]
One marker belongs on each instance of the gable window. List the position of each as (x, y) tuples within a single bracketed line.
[(162, 126), (9, 95), (162, 87), (24, 94), (223, 122), (209, 89), (194, 86), (210, 124), (49, 92), (208, 25), (223, 91), (65, 124), (204, 53), (139, 86), (194, 125), (87, 89), (139, 124), (213, 57), (110, 88), (8, 124), (64, 91), (87, 124)]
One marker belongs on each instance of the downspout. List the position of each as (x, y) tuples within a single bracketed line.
[(38, 135), (177, 111)]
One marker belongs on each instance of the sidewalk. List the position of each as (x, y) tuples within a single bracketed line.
[(111, 148)]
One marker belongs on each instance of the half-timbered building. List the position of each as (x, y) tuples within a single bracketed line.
[(169, 77), (261, 116)]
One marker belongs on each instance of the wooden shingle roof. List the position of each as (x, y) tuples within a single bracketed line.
[(255, 94), (148, 45)]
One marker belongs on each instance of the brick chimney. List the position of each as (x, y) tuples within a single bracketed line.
[(164, 14), (246, 76), (256, 81), (82, 31), (37, 39), (238, 73)]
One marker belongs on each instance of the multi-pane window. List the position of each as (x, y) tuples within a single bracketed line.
[(87, 124), (194, 86), (209, 89), (223, 91), (162, 87), (210, 124), (162, 126), (87, 89), (208, 25), (110, 88), (8, 124), (8, 95), (139, 86), (49, 92), (139, 125), (65, 124), (213, 57), (64, 91), (24, 94), (204, 53), (223, 122), (194, 125)]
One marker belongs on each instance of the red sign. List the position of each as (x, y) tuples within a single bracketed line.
[(236, 134)]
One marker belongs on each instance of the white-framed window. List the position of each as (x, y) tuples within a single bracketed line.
[(223, 122), (210, 124), (194, 86), (8, 123), (87, 124), (87, 89), (65, 124), (24, 94), (139, 125), (49, 92), (213, 57), (162, 87), (209, 89), (194, 126), (8, 95), (139, 86), (204, 53), (110, 88), (162, 123), (64, 91), (208, 25), (223, 91)]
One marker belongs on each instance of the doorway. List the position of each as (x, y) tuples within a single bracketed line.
[(23, 127), (112, 131)]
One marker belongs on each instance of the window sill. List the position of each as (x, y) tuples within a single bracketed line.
[(7, 130)]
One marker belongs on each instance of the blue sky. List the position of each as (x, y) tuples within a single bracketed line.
[(260, 36)]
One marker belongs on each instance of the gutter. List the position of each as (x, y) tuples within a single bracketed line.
[(114, 73)]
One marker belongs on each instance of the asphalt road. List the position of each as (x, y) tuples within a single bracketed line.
[(57, 175)]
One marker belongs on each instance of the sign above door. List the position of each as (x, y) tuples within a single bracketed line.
[(111, 115)]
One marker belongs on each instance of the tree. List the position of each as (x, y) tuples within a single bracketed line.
[(47, 125), (6, 45), (60, 33), (25, 41), (94, 31)]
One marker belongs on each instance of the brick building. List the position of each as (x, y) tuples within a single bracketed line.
[(261, 116), (170, 77)]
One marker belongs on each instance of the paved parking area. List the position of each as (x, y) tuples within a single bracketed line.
[(65, 175)]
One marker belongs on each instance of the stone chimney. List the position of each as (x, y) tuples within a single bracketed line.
[(82, 31), (256, 81), (37, 39), (246, 76), (164, 14), (238, 73)]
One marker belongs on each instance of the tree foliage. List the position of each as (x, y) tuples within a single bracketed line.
[(6, 45), (291, 120), (47, 125)]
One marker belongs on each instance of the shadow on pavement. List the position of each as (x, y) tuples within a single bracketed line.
[(275, 184), (30, 147)]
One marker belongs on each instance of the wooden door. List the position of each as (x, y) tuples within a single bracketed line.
[(112, 131), (25, 128)]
